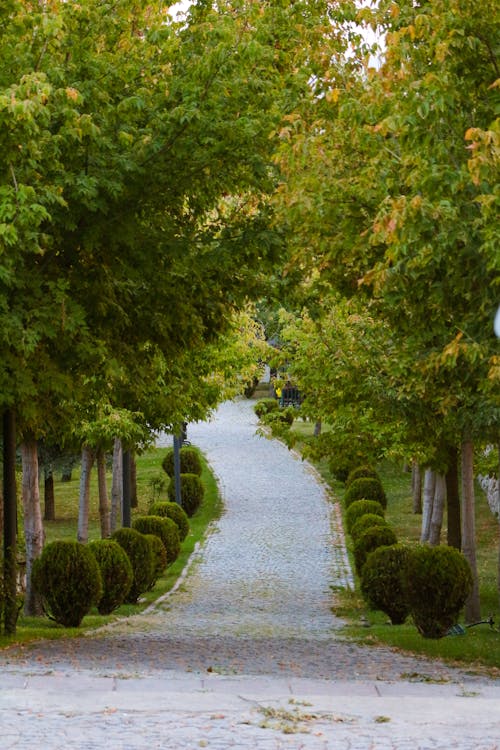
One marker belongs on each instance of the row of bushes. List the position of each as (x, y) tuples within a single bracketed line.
[(429, 583), (71, 578)]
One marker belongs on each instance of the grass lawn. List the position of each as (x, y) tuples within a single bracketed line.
[(149, 471), (481, 644)]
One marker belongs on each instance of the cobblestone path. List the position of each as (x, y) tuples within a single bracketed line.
[(255, 606)]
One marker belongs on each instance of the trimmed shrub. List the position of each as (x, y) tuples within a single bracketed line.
[(359, 508), (281, 416), (265, 406), (365, 488), (382, 581), (376, 536), (366, 522), (68, 579), (159, 557), (359, 472), (190, 461), (175, 512), (140, 555), (165, 529), (192, 492), (116, 573), (437, 581)]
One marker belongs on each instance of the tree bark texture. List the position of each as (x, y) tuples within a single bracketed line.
[(33, 527), (429, 489), (416, 487), (104, 509), (437, 510), (84, 504), (116, 486), (49, 504), (472, 605), (454, 531), (9, 524)]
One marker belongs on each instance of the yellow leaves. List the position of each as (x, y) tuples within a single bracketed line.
[(72, 94), (332, 96)]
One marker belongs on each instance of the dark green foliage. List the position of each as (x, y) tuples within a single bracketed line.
[(365, 488), (175, 512), (265, 406), (437, 581), (359, 472), (382, 581), (192, 492), (367, 522), (140, 555), (116, 573), (159, 557), (376, 536), (359, 508), (68, 579), (190, 461), (165, 529)]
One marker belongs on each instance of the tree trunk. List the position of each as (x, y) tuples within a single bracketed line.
[(133, 481), (429, 489), (49, 504), (454, 532), (472, 605), (416, 487), (9, 523), (437, 510), (126, 496), (104, 510), (498, 506), (116, 486), (317, 428), (33, 528), (84, 504)]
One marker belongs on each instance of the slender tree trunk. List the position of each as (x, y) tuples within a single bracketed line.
[(416, 486), (33, 528), (49, 504), (133, 481), (454, 531), (317, 428), (429, 489), (437, 510), (126, 504), (104, 509), (116, 486), (9, 523), (472, 606), (84, 504)]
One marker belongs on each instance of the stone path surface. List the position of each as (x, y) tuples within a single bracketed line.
[(246, 653)]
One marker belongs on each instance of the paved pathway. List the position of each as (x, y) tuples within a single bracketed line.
[(247, 652)]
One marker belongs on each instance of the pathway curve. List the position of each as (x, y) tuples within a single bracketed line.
[(248, 633)]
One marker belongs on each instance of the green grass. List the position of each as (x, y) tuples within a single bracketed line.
[(480, 646), (65, 527)]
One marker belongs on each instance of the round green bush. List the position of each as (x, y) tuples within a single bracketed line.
[(281, 416), (68, 579), (365, 488), (437, 581), (382, 581), (165, 529), (265, 406), (159, 557), (367, 522), (175, 512), (140, 555), (192, 492), (116, 573), (360, 472), (359, 508), (190, 461), (376, 536)]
